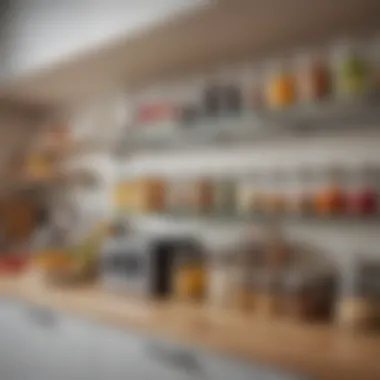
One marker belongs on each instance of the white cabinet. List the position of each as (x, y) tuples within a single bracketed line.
[(40, 344)]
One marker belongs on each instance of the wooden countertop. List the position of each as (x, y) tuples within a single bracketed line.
[(324, 351)]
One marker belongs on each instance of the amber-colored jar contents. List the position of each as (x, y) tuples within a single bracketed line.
[(281, 90), (307, 296), (150, 195), (190, 275), (201, 197), (314, 80), (331, 198)]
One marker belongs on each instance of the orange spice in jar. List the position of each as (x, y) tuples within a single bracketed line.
[(281, 88), (331, 198)]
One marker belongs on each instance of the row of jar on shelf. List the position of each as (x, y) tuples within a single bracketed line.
[(325, 193), (351, 73)]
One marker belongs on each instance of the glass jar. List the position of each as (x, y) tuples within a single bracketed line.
[(240, 282), (362, 198), (178, 196), (225, 196), (308, 294), (219, 278), (281, 88), (265, 289), (331, 197), (351, 71), (308, 187), (190, 275), (201, 196), (313, 78), (354, 310), (276, 201), (293, 191)]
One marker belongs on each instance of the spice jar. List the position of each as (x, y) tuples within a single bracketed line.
[(241, 297), (313, 79), (225, 196), (201, 196), (331, 197), (298, 198), (278, 253), (281, 91), (190, 274), (306, 295), (275, 200), (178, 196), (265, 289), (355, 309), (352, 71), (362, 198), (249, 194), (219, 279)]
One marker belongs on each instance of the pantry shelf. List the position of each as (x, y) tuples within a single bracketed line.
[(258, 218), (322, 119)]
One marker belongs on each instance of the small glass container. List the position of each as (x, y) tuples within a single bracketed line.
[(225, 196), (331, 197), (281, 87), (265, 288), (201, 196), (313, 78), (352, 75), (178, 196), (362, 199), (276, 201), (219, 288), (241, 297), (190, 275)]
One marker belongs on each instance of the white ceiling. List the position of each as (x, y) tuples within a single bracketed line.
[(227, 31), (41, 33)]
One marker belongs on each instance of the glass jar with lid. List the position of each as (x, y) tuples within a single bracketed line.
[(265, 289), (362, 196), (225, 195), (281, 86), (276, 201), (218, 271), (190, 273), (351, 70), (313, 77), (241, 297), (201, 196), (331, 196), (250, 197)]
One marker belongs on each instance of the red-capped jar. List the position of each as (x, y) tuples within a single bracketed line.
[(363, 197)]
